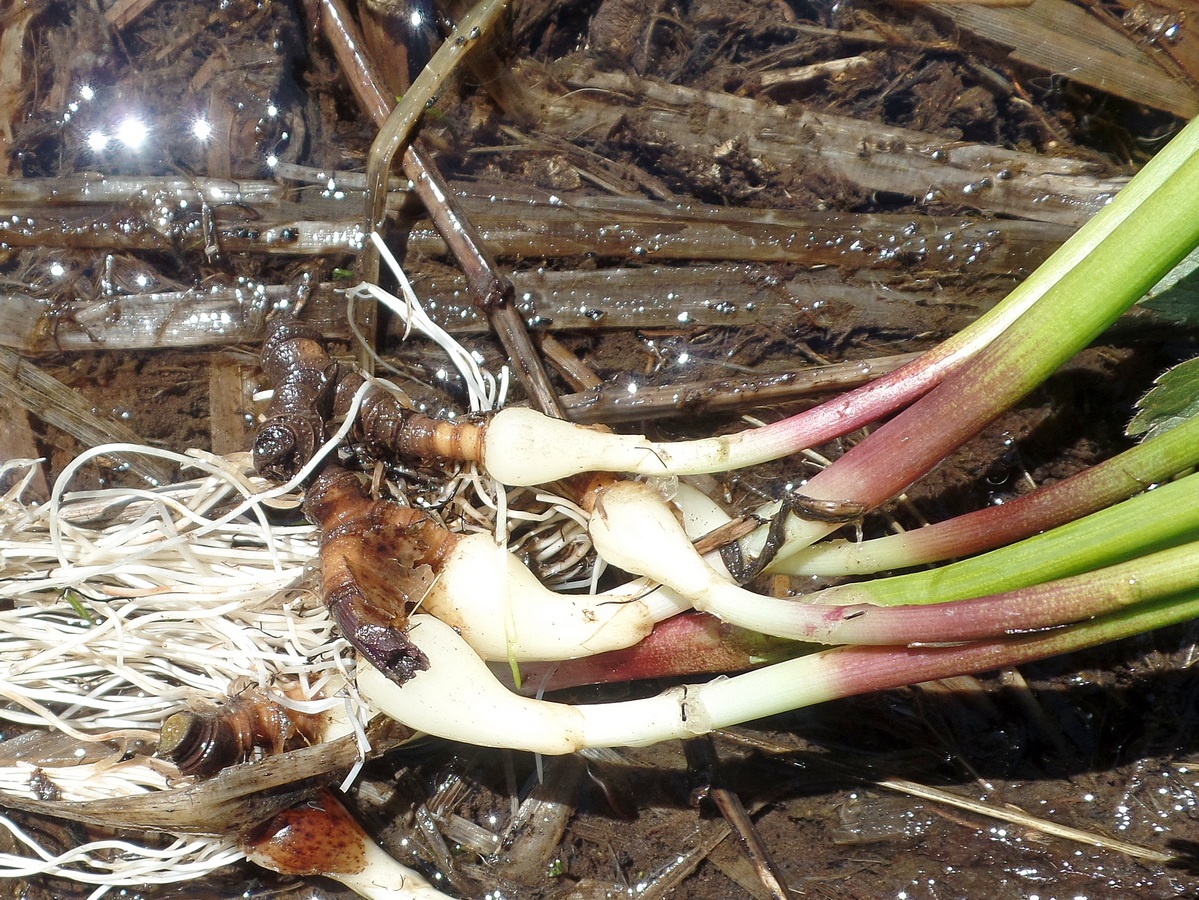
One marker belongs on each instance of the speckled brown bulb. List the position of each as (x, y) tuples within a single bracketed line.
[(318, 838)]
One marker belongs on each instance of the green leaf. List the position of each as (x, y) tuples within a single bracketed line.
[(1173, 399), (1176, 297), (76, 602)]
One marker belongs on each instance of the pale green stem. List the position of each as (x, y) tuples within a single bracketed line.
[(1163, 517), (1088, 298)]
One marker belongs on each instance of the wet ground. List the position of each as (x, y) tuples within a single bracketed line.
[(1104, 742)]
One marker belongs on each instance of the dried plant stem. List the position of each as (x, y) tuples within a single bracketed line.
[(1057, 36), (576, 300), (618, 403), (397, 128), (491, 292), (705, 766), (24, 383), (13, 83), (874, 156), (174, 194), (514, 224)]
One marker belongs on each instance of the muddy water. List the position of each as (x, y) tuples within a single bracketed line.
[(1102, 742)]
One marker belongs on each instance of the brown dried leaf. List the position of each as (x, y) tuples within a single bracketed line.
[(1061, 38)]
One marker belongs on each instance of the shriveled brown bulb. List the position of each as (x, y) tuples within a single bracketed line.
[(203, 742), (378, 560), (199, 744)]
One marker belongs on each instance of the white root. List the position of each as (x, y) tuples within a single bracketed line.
[(384, 878), (123, 606), (635, 529), (523, 447), (458, 698)]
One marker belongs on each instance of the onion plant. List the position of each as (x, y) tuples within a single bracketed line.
[(1089, 577), (176, 594)]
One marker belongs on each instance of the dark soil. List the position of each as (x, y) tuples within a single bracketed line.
[(1104, 741)]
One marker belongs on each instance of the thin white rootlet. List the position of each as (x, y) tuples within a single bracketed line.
[(132, 605), (125, 606)]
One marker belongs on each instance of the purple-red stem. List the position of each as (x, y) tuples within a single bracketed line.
[(687, 644), (1091, 490)]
